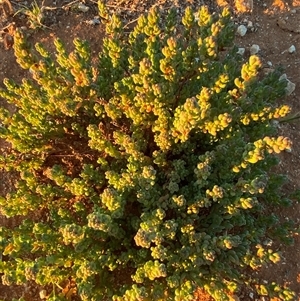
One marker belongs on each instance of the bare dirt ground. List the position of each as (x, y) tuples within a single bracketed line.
[(273, 25)]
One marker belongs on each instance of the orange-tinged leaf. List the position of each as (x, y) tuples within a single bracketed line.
[(9, 249)]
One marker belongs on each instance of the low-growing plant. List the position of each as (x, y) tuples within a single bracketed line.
[(34, 14), (146, 175)]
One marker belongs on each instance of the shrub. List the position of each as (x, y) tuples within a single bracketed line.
[(146, 175)]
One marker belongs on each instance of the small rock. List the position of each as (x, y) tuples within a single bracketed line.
[(251, 295), (292, 49), (275, 123), (290, 87), (254, 49), (43, 294), (82, 7), (242, 30), (293, 11), (269, 64), (268, 242), (241, 51), (283, 76), (95, 21), (250, 24)]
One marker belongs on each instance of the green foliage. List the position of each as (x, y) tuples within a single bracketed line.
[(34, 14), (274, 289), (147, 174)]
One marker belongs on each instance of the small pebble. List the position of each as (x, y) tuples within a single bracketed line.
[(292, 49), (251, 295), (254, 49), (269, 63), (283, 76), (95, 21), (268, 242), (290, 87), (249, 24), (242, 30), (43, 294), (241, 51), (83, 7)]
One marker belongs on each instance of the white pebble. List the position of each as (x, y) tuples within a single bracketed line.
[(251, 295), (241, 30), (292, 49), (241, 51), (94, 21), (269, 63), (254, 49), (250, 24), (83, 7)]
